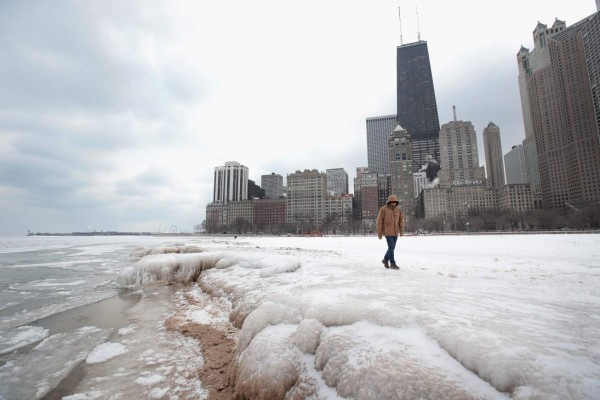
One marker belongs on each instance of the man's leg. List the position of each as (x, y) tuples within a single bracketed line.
[(386, 257), (391, 241)]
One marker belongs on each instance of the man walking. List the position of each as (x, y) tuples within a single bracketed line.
[(390, 225)]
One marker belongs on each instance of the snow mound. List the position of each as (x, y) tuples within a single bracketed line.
[(269, 313), (366, 361), (185, 266), (353, 354), (268, 374), (308, 335), (279, 269), (170, 268)]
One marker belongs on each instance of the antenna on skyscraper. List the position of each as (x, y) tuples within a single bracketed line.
[(418, 26), (454, 111), (400, 20)]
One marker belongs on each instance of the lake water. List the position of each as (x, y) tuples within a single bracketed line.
[(59, 301)]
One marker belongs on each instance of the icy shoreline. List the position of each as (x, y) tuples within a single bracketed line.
[(288, 317), (317, 322)]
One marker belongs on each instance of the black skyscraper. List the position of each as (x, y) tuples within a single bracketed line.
[(417, 108)]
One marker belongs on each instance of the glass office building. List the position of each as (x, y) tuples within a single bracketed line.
[(417, 107)]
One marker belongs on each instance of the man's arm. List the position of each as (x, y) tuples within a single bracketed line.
[(380, 224), (401, 224)]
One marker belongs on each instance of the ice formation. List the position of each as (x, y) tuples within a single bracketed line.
[(170, 268), (329, 327), (22, 336), (60, 353), (105, 351)]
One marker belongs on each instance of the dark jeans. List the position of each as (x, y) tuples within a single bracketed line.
[(389, 254)]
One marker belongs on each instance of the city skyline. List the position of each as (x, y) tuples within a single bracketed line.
[(117, 122)]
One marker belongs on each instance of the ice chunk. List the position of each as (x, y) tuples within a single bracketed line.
[(105, 351), (53, 359), (158, 393), (149, 379), (92, 395), (20, 337), (127, 330), (201, 317)]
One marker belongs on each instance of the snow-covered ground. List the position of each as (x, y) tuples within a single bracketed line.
[(482, 317)]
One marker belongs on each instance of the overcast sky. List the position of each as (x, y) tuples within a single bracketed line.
[(114, 114)]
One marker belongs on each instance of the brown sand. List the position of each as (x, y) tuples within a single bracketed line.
[(218, 349)]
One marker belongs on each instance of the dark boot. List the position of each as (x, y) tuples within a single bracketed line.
[(394, 266), (385, 263)]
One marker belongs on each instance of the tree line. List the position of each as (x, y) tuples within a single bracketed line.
[(486, 221)]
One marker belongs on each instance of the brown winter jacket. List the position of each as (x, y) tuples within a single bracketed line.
[(389, 220)]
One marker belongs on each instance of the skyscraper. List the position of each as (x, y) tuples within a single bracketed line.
[(337, 181), (400, 154), (369, 192), (514, 164), (565, 112), (305, 199), (416, 104), (529, 62), (273, 185), (494, 163), (459, 155), (230, 183), (378, 131), (357, 200), (255, 191)]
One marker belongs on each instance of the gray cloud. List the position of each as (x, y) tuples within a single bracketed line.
[(144, 184), (113, 114), (81, 84), (77, 56)]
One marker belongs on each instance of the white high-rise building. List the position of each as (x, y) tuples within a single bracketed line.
[(420, 182), (337, 181), (273, 185), (378, 132), (230, 183)]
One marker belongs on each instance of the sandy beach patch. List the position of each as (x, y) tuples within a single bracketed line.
[(217, 343)]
